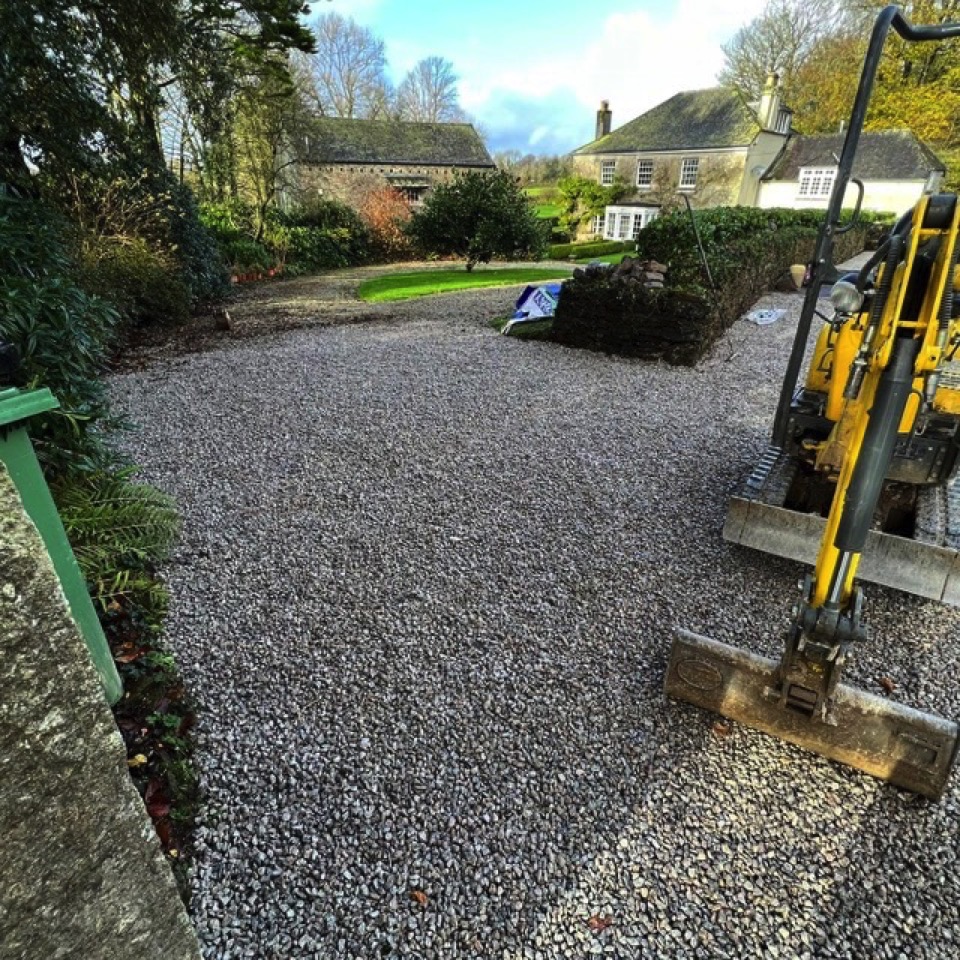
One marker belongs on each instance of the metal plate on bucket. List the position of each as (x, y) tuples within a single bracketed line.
[(912, 750)]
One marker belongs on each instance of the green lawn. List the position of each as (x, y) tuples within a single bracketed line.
[(422, 283), (547, 210)]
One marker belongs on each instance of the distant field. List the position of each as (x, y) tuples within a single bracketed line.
[(547, 210), (422, 283), (541, 193)]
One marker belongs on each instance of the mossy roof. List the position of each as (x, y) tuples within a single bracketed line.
[(341, 141), (694, 119), (881, 155)]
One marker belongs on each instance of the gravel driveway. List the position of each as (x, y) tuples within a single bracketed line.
[(424, 597)]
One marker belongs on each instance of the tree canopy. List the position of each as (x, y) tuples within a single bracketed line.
[(818, 46)]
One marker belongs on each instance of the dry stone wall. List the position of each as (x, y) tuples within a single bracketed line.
[(82, 874)]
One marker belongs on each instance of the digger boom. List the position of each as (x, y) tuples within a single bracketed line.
[(902, 338)]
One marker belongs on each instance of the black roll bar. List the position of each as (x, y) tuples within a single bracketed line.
[(891, 16)]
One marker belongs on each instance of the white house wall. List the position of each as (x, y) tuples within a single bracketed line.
[(763, 151), (893, 196)]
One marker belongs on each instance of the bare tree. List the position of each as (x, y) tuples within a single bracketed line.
[(780, 40), (348, 71), (428, 93)]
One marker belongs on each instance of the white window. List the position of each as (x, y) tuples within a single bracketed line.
[(625, 223), (689, 167), (644, 173), (608, 169), (816, 182), (597, 226)]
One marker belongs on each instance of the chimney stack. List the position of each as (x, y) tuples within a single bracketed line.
[(769, 109), (604, 117)]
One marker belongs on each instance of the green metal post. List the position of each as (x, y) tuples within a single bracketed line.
[(17, 455)]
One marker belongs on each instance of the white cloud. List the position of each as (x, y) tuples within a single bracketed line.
[(635, 60)]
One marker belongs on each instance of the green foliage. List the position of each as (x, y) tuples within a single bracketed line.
[(323, 236), (152, 208), (479, 216), (143, 285), (581, 199), (748, 250), (596, 248), (119, 531), (732, 237), (63, 334)]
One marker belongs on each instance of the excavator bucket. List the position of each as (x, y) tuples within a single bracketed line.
[(758, 518), (885, 739)]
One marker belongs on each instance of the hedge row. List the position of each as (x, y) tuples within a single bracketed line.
[(597, 248), (749, 252)]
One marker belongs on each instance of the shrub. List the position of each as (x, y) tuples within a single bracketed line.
[(62, 332), (597, 248), (144, 286), (479, 216), (152, 207), (386, 215), (337, 222), (748, 250)]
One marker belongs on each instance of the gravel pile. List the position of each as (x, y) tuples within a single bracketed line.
[(424, 597)]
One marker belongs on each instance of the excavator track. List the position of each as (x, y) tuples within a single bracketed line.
[(927, 565)]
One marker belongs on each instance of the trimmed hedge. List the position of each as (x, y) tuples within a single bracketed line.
[(749, 252), (597, 248)]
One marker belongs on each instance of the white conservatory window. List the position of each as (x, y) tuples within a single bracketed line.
[(625, 223), (608, 169), (816, 182)]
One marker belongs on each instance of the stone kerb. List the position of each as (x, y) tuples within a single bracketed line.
[(81, 873)]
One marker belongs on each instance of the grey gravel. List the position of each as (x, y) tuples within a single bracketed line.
[(424, 596)]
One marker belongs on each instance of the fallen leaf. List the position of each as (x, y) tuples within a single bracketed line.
[(155, 800), (164, 832), (138, 761), (888, 685), (721, 729), (129, 653), (598, 924), (420, 897)]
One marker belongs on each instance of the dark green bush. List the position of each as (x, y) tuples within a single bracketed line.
[(595, 248), (149, 205), (63, 334), (144, 286), (748, 250), (478, 216), (337, 235)]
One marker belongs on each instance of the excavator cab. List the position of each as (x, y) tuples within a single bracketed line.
[(873, 434)]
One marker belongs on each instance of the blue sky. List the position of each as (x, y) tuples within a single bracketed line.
[(532, 73)]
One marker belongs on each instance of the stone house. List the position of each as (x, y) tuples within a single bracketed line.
[(709, 144), (894, 165), (348, 159)]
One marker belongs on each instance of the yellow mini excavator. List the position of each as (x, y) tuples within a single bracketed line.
[(863, 464)]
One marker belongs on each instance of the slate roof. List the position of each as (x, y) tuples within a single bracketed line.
[(333, 140), (881, 155), (694, 119)]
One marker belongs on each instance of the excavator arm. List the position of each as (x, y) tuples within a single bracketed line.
[(906, 330)]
